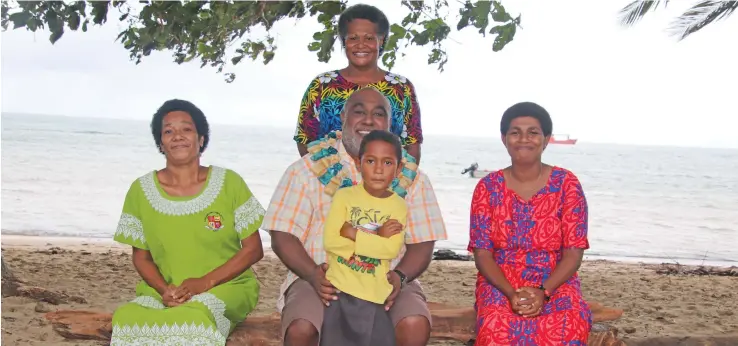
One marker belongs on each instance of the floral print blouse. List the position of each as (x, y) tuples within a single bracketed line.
[(320, 108)]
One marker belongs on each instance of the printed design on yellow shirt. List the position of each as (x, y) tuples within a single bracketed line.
[(367, 220)]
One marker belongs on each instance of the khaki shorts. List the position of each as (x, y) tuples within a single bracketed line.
[(302, 302)]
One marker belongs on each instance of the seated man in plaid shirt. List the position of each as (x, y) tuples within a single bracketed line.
[(297, 212)]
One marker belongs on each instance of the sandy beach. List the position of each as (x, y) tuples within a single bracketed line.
[(656, 306)]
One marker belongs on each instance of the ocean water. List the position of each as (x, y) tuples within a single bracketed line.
[(66, 176)]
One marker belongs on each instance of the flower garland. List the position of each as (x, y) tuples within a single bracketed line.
[(329, 170)]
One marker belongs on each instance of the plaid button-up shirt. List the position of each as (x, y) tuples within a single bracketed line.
[(299, 206)]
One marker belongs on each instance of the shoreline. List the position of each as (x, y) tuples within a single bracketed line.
[(94, 244)]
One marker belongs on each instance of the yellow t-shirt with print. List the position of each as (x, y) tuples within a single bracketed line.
[(360, 268)]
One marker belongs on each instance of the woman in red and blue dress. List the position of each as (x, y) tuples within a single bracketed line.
[(528, 233), (363, 30)]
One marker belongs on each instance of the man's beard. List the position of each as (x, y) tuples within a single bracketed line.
[(351, 143)]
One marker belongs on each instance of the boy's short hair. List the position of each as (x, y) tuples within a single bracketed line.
[(384, 136)]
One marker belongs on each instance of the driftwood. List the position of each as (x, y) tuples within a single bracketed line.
[(449, 322), (678, 269), (14, 287)]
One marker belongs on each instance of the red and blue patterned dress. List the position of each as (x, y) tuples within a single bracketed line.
[(528, 239), (321, 105)]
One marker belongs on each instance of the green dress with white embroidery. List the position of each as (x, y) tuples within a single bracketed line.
[(188, 237)]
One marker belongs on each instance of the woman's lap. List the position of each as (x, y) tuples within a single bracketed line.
[(207, 318), (566, 318)]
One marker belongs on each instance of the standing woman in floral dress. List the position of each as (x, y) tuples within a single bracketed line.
[(528, 232), (363, 30)]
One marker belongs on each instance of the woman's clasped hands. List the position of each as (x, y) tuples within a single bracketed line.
[(175, 295), (527, 301)]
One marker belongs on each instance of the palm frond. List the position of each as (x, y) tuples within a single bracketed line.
[(636, 10), (701, 15)]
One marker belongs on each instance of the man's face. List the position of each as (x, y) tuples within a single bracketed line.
[(365, 110)]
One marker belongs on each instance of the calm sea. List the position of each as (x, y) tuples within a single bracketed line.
[(66, 176)]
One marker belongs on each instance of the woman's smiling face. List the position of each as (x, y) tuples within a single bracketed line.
[(362, 43), (179, 138)]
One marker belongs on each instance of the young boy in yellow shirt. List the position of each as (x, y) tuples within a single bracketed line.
[(364, 231)]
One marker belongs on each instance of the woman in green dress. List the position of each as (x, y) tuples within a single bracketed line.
[(194, 233)]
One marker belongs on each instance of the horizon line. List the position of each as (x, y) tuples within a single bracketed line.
[(432, 133)]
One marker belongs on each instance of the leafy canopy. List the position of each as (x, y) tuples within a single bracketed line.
[(208, 31)]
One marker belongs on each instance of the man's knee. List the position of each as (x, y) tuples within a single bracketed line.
[(413, 331), (301, 332)]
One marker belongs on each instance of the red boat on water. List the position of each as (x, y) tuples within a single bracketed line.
[(567, 140)]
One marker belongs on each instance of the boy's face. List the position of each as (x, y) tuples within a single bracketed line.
[(379, 166)]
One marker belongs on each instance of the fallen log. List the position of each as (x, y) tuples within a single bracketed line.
[(44, 295), (449, 322), (14, 287)]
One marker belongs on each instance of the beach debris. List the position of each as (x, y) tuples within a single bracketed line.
[(13, 287), (41, 307), (449, 322), (81, 325), (53, 251), (604, 335), (450, 255), (51, 297), (9, 282), (678, 269)]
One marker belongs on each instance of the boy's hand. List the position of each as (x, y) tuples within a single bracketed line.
[(389, 228), (348, 231)]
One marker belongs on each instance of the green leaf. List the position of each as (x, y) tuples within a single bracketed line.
[(268, 56), (397, 30), (99, 12), (421, 38), (388, 59), (505, 36), (314, 46), (497, 29), (499, 14), (20, 19), (56, 35), (74, 21), (33, 23), (202, 48), (52, 19), (463, 22)]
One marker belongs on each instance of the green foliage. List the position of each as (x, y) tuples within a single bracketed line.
[(691, 21), (209, 31)]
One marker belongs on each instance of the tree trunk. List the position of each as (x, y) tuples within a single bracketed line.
[(9, 281)]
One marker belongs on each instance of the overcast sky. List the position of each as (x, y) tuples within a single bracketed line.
[(599, 81)]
